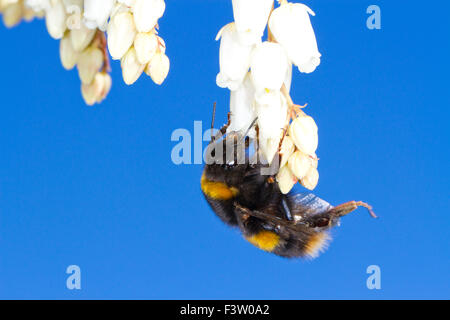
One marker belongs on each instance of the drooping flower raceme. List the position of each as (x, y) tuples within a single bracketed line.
[(259, 74), (80, 25)]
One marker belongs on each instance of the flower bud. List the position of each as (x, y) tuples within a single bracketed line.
[(303, 131), (121, 33), (146, 45), (287, 149), (286, 180), (96, 91), (158, 68), (146, 14), (55, 19), (131, 68), (311, 179), (12, 14), (81, 37), (89, 62), (299, 163), (67, 53)]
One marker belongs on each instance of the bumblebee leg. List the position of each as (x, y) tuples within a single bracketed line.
[(328, 218), (346, 208)]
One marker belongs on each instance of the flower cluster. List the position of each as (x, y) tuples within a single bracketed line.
[(258, 73), (82, 26)]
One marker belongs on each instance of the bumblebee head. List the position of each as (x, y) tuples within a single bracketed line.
[(226, 158)]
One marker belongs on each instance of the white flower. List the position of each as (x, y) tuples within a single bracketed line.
[(234, 58), (55, 19), (300, 164), (146, 45), (121, 33), (251, 18), (96, 13), (269, 67), (89, 62), (67, 53), (303, 131), (146, 13), (81, 37), (291, 27), (286, 180), (241, 107), (96, 91), (311, 179), (131, 68), (158, 68)]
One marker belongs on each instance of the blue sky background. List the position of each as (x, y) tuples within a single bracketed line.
[(96, 186)]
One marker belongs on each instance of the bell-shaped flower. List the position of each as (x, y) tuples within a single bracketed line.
[(121, 33), (291, 26), (89, 62), (311, 179), (269, 67), (234, 58), (286, 179), (304, 132), (96, 91), (251, 18), (146, 13), (96, 13), (69, 56), (146, 45), (158, 68), (131, 67), (242, 107), (300, 164), (81, 37), (55, 19)]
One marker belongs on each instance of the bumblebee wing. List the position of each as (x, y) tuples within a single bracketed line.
[(303, 205)]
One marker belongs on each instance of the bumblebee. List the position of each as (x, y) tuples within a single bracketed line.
[(292, 225)]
